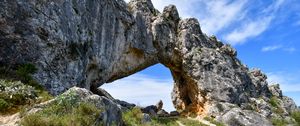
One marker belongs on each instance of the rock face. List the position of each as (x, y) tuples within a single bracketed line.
[(89, 43)]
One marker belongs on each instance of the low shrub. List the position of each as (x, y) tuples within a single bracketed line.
[(274, 102), (296, 116), (17, 95), (133, 116), (279, 122), (25, 70), (3, 105), (83, 114)]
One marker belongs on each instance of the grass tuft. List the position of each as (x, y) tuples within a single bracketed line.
[(83, 114), (296, 116)]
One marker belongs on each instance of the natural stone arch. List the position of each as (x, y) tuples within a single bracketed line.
[(89, 43)]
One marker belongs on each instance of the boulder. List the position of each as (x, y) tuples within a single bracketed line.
[(238, 117), (146, 118), (159, 105), (275, 90), (162, 113), (124, 104), (110, 115), (151, 110), (174, 113)]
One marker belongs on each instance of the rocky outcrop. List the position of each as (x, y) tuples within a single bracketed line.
[(110, 111), (89, 43)]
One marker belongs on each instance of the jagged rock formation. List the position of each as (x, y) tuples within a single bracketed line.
[(89, 43)]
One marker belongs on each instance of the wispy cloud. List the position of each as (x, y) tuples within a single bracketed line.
[(221, 14), (142, 90), (271, 48), (278, 47), (253, 28), (297, 23), (289, 82), (290, 49), (214, 15), (248, 30)]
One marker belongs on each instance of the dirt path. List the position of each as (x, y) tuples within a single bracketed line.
[(9, 120)]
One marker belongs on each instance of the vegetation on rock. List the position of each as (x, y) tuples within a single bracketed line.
[(14, 95), (296, 116), (134, 117), (279, 122), (82, 114), (66, 110), (213, 121), (18, 89)]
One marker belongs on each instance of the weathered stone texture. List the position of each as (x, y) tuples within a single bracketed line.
[(88, 43)]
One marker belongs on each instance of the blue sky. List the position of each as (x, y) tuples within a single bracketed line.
[(266, 34)]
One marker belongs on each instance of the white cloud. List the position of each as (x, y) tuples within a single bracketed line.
[(271, 48), (278, 47), (288, 82), (214, 15), (220, 16), (142, 90), (248, 30), (290, 49), (253, 28)]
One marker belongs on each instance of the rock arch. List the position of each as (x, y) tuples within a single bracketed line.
[(88, 43)]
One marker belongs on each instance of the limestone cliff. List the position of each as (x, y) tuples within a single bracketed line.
[(88, 43)]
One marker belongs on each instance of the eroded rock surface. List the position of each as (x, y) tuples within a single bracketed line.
[(89, 43)]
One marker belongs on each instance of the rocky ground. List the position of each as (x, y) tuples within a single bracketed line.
[(52, 46)]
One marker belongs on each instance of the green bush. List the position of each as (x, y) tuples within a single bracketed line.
[(296, 116), (83, 114), (19, 95), (24, 71), (43, 96), (274, 101), (3, 105), (133, 116)]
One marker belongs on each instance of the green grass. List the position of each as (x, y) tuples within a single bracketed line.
[(82, 114), (213, 121), (274, 102), (164, 121), (189, 122), (4, 105), (134, 117), (15, 95), (18, 89), (296, 116), (279, 122), (25, 70)]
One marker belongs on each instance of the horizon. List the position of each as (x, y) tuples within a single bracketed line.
[(263, 33)]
